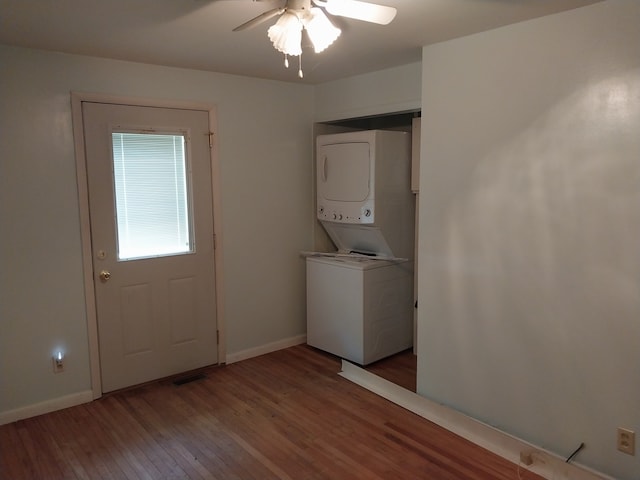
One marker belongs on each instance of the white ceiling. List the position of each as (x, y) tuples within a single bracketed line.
[(198, 33)]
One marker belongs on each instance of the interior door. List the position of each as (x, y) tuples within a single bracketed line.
[(151, 216)]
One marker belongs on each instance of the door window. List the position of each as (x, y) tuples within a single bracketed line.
[(151, 183)]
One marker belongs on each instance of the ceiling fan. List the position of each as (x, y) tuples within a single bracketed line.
[(310, 15), (356, 9)]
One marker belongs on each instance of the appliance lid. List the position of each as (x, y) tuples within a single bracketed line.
[(366, 240), (353, 262)]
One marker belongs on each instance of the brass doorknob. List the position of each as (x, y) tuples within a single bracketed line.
[(105, 275)]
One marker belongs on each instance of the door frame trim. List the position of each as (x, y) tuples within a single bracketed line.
[(77, 99)]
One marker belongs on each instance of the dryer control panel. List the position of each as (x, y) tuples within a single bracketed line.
[(344, 213)]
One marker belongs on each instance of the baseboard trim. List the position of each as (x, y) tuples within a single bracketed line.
[(545, 463), (264, 349), (46, 407), (87, 396)]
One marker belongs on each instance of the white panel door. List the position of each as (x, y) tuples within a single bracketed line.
[(151, 209)]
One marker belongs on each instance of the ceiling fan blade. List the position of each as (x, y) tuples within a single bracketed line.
[(365, 11), (263, 17), (216, 1)]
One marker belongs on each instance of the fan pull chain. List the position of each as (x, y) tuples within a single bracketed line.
[(286, 64)]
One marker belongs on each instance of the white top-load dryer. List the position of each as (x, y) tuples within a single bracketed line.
[(360, 298)]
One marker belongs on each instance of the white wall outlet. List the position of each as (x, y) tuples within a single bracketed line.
[(58, 362), (626, 441)]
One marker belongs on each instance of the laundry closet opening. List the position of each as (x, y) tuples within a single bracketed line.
[(360, 309)]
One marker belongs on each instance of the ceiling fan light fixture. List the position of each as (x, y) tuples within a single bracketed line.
[(286, 34), (321, 31), (309, 15)]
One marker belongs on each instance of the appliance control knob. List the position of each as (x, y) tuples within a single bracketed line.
[(367, 212), (335, 216), (340, 217)]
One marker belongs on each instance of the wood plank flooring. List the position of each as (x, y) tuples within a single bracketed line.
[(285, 415), (399, 369)]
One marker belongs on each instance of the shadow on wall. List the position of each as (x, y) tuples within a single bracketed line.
[(542, 249)]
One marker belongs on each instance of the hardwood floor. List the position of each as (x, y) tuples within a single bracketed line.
[(285, 415), (399, 369)]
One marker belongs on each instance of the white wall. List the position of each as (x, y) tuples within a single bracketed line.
[(529, 254), (391, 90), (265, 154)]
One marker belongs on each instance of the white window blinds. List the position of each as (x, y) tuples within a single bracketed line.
[(152, 197)]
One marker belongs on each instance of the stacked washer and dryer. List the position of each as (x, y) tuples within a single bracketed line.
[(360, 298)]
